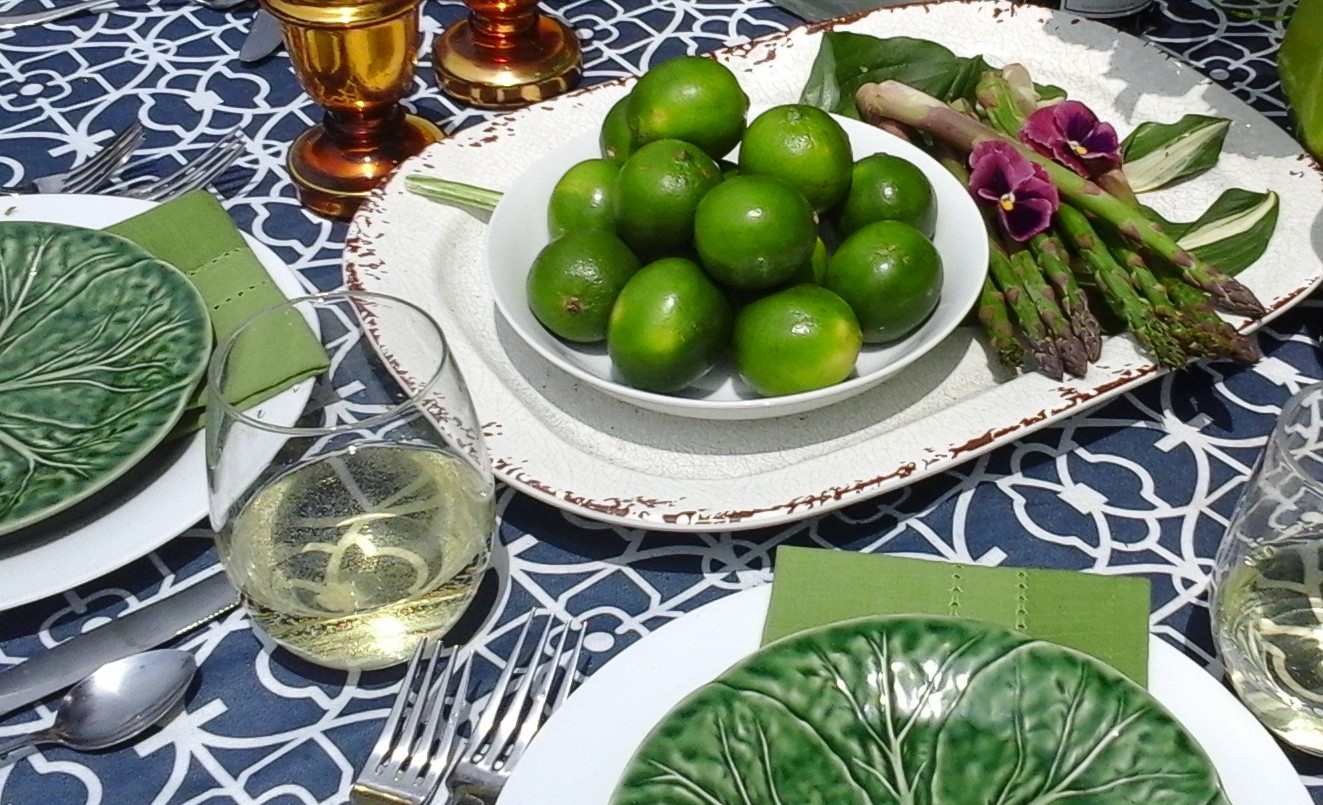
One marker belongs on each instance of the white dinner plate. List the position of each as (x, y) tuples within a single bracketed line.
[(153, 503), (585, 746), (554, 437)]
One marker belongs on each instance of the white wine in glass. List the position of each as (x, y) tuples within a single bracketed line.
[(365, 525)]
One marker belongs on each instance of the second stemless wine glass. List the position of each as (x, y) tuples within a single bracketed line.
[(1267, 602), (356, 59), (366, 524)]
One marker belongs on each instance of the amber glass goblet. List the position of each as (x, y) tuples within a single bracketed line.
[(506, 54), (356, 59)]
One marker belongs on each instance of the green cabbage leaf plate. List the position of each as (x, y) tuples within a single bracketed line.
[(919, 711), (100, 347)]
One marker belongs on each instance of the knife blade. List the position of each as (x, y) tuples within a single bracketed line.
[(263, 38), (74, 659)]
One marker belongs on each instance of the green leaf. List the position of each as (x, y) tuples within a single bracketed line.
[(1160, 154), (918, 710), (1232, 233), (847, 61), (1050, 92), (465, 195), (1300, 65)]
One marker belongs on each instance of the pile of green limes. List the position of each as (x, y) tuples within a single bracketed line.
[(792, 257)]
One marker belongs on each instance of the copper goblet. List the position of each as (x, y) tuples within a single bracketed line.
[(356, 59), (506, 54)]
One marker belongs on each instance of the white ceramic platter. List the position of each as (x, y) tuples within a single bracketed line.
[(582, 750), (518, 231), (558, 439), (163, 497)]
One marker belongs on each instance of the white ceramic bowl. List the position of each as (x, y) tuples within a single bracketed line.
[(517, 231)]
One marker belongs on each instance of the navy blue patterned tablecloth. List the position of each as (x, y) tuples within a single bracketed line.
[(1141, 485)]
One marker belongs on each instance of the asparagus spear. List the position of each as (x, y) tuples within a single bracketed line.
[(1074, 357), (994, 96), (1116, 289), (1023, 93), (1054, 260), (892, 99), (1209, 334), (996, 321), (1004, 112), (1040, 341)]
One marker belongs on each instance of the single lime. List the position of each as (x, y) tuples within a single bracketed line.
[(581, 198), (754, 232), (798, 339), (655, 195), (690, 98), (574, 281), (891, 276), (885, 187), (668, 326), (804, 147), (615, 136)]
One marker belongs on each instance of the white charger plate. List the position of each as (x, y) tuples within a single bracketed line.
[(578, 756), (170, 494), (559, 440), (518, 231)]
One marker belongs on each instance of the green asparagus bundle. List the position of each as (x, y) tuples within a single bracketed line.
[(1099, 235), (892, 100)]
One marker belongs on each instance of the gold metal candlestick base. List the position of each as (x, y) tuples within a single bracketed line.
[(356, 59), (501, 62), (333, 173)]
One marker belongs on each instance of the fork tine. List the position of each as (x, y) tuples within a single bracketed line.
[(97, 169), (571, 679), (405, 747), (196, 173), (482, 731), (537, 710), (449, 747), (514, 711), (390, 731)]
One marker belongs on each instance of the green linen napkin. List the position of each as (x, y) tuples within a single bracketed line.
[(197, 236), (1103, 616)]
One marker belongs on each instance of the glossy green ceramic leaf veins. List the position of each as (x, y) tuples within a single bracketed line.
[(100, 345), (919, 711)]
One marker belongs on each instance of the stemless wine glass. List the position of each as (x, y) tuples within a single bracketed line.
[(363, 524), (1267, 603)]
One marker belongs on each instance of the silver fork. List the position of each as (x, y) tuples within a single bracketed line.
[(9, 22), (91, 174), (406, 764), (514, 712), (197, 172)]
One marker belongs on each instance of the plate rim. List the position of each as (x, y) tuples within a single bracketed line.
[(180, 501), (730, 629), (616, 493)]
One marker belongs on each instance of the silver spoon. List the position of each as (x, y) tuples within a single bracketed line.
[(118, 701)]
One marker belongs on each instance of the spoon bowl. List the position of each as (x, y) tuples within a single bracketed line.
[(118, 701)]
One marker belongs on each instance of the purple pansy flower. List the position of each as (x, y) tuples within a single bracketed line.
[(1024, 197), (1072, 134)]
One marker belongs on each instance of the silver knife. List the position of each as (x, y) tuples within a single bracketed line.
[(74, 659), (263, 38)]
